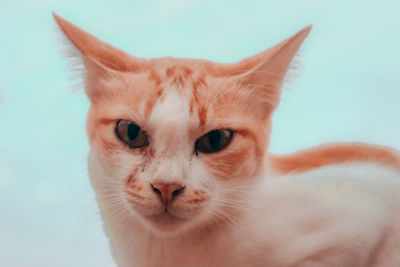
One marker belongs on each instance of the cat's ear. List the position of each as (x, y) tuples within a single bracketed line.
[(100, 60), (264, 73)]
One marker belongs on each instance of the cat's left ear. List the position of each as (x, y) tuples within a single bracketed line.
[(100, 60), (264, 73)]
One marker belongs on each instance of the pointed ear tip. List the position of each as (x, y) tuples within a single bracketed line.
[(303, 33), (56, 17), (60, 21), (306, 30)]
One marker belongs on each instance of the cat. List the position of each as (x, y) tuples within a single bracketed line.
[(180, 167)]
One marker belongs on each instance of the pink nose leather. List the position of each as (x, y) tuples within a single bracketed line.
[(167, 192)]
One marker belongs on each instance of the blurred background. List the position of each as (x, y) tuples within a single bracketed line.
[(347, 89)]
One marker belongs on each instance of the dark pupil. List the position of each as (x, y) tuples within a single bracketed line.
[(133, 131), (215, 138)]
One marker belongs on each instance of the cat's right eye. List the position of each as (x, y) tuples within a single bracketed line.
[(131, 134)]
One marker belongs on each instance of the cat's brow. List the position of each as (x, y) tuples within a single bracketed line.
[(154, 77), (197, 85), (179, 75), (105, 121), (152, 100)]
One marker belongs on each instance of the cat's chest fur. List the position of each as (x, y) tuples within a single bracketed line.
[(325, 217)]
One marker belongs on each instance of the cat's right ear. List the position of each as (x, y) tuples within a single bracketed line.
[(100, 60), (263, 74)]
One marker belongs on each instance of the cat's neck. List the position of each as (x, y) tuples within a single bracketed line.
[(135, 244)]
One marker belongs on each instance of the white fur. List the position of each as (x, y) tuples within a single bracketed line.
[(343, 215), (168, 123)]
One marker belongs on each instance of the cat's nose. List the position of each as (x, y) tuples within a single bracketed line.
[(167, 191)]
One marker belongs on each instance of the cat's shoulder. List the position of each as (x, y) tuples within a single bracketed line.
[(349, 173)]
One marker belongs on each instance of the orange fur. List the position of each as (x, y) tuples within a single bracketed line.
[(334, 154), (242, 158), (105, 54), (152, 101), (200, 83)]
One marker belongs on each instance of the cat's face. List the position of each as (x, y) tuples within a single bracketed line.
[(176, 107), (178, 142)]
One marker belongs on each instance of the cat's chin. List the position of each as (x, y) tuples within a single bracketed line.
[(166, 222)]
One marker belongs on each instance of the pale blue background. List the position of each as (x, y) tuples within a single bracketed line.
[(348, 89)]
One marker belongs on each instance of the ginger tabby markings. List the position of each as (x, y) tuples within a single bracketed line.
[(180, 167), (334, 154)]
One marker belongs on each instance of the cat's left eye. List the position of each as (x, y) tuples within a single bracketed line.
[(213, 141), (131, 134)]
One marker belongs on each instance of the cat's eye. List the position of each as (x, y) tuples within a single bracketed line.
[(213, 141), (131, 134)]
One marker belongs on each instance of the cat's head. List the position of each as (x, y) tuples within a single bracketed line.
[(178, 142)]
